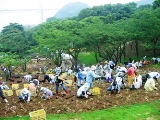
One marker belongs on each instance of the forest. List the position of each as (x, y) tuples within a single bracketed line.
[(107, 30)]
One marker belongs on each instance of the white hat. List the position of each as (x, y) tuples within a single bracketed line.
[(93, 67), (41, 88), (25, 91)]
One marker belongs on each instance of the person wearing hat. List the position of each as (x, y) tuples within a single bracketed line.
[(25, 95), (80, 78), (46, 93), (82, 91), (91, 76), (4, 86), (2, 95), (155, 75), (27, 78), (150, 84)]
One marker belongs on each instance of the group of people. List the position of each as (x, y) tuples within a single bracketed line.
[(85, 79)]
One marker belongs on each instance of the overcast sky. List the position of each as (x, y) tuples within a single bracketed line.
[(26, 12)]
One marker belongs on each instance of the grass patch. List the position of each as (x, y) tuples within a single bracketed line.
[(149, 111), (87, 58)]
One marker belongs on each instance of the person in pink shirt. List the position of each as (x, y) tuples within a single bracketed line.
[(131, 75), (32, 87)]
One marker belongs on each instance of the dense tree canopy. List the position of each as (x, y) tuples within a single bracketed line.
[(105, 30)]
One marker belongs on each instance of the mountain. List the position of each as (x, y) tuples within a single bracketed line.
[(144, 2), (70, 10)]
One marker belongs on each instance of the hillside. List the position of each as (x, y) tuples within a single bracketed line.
[(70, 10)]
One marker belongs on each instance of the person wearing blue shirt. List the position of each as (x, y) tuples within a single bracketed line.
[(91, 76), (80, 79)]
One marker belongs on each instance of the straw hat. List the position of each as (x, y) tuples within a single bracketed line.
[(106, 62)]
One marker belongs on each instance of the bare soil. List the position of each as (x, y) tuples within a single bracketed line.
[(71, 104)]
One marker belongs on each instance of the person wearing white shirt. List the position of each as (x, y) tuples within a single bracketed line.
[(150, 85), (25, 95), (82, 91)]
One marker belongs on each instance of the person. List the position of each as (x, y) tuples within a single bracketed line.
[(150, 84), (107, 67), (25, 95), (44, 69), (138, 82), (46, 77), (155, 75), (32, 88), (82, 91), (131, 76), (114, 86), (121, 70), (99, 70), (36, 82), (111, 65), (80, 78), (46, 93), (27, 78), (60, 81), (58, 70), (2, 95), (4, 86), (140, 64), (144, 58), (90, 77), (108, 77)]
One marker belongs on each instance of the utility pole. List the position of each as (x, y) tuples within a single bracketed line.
[(41, 11)]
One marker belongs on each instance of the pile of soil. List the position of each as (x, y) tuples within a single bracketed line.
[(71, 104)]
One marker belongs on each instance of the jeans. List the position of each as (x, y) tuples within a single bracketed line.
[(111, 87), (1, 94), (57, 87)]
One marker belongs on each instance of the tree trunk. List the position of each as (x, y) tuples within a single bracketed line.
[(137, 48), (154, 49), (124, 49)]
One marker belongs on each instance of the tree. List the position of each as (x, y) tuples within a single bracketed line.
[(15, 40), (9, 60)]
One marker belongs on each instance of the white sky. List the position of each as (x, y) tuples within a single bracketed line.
[(32, 16)]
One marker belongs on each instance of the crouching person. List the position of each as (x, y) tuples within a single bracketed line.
[(25, 95), (46, 93), (82, 91), (4, 86), (114, 87), (32, 87), (150, 84), (2, 95)]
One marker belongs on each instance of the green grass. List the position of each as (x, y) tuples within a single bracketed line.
[(149, 111), (87, 58)]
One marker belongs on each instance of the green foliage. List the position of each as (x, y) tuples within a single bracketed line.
[(87, 58), (119, 11), (15, 40), (9, 60)]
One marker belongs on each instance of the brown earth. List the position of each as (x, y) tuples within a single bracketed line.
[(71, 104)]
